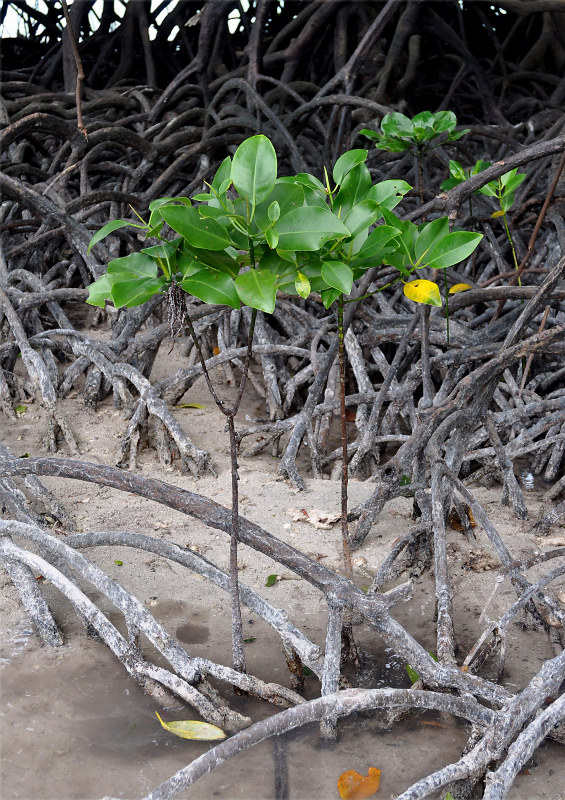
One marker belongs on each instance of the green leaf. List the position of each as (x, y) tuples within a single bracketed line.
[(274, 211), (405, 480), (21, 409), (254, 169), (302, 285), (202, 233), (164, 201), (110, 227), (354, 188), (396, 123), (119, 563), (362, 216), (422, 291), (449, 796), (212, 287), (223, 173), (337, 275), (272, 238), (511, 180), (329, 296), (190, 405), (306, 671), (286, 195), (307, 180), (412, 674), (257, 289), (457, 171), (135, 291), (444, 121), (100, 291), (193, 729), (271, 580), (388, 194), (430, 235), (135, 265), (308, 229), (374, 246), (346, 162), (452, 249), (250, 639)]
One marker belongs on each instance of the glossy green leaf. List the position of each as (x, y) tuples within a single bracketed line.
[(388, 194), (254, 169), (257, 289), (307, 180), (271, 580), (444, 121), (302, 285), (308, 229), (329, 296), (346, 162), (223, 173), (354, 188), (133, 291), (511, 180), (337, 275), (412, 674), (193, 729), (136, 265), (100, 291), (374, 246), (362, 216), (396, 123), (287, 197), (198, 232), (274, 211), (212, 287), (452, 249), (429, 236), (110, 227), (272, 238), (422, 291)]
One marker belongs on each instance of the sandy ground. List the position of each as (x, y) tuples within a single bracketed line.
[(75, 726)]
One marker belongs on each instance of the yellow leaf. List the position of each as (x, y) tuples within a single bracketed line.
[(192, 729), (459, 287), (354, 786), (190, 405), (499, 213), (422, 291)]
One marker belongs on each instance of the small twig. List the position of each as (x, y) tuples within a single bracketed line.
[(80, 70)]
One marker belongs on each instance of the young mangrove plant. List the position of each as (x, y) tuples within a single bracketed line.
[(253, 234), (423, 132), (503, 189)]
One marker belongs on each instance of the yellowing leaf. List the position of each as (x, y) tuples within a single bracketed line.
[(193, 729), (459, 287), (422, 291), (499, 213), (354, 786), (190, 405)]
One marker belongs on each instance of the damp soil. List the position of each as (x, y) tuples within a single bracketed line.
[(76, 727)]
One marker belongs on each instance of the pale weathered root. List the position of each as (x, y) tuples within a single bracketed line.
[(40, 380), (291, 637)]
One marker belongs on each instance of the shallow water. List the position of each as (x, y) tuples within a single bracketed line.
[(76, 727)]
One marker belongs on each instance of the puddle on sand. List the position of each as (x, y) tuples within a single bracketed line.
[(76, 727)]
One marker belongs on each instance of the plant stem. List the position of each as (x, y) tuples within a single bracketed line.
[(344, 470), (420, 174), (446, 307), (512, 248), (238, 655)]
